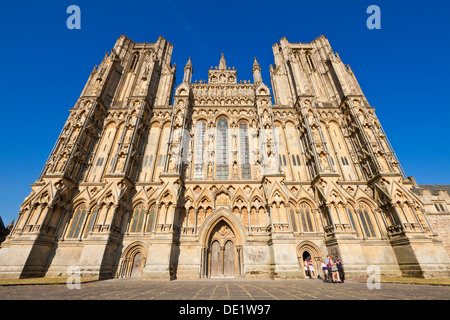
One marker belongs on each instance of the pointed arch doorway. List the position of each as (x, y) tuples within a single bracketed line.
[(223, 253), (307, 251)]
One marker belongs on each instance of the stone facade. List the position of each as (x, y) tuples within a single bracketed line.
[(219, 178), (436, 201)]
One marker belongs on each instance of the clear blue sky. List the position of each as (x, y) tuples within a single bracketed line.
[(403, 68)]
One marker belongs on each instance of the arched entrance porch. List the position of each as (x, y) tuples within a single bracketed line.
[(307, 251), (132, 261), (222, 251)]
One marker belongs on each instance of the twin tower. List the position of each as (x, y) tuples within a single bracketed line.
[(220, 178)]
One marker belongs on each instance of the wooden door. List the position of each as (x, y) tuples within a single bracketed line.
[(216, 268), (136, 267), (228, 259)]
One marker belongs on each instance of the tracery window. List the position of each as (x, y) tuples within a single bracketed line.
[(91, 223), (199, 151), (368, 229), (305, 217), (310, 62), (352, 221), (222, 150), (77, 222), (151, 219), (245, 152), (138, 219), (134, 61)]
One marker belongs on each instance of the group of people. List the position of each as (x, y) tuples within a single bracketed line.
[(332, 268)]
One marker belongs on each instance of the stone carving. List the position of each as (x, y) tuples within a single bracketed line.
[(222, 199)]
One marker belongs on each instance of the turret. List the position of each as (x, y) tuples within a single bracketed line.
[(256, 72), (188, 70)]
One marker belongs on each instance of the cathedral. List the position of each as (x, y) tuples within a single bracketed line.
[(221, 178)]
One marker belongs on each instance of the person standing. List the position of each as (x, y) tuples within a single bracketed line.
[(324, 269), (334, 272), (311, 268), (305, 264), (340, 269), (328, 263)]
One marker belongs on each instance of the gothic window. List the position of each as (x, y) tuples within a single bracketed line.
[(146, 161), (305, 217), (91, 222), (245, 153), (293, 160), (138, 219), (150, 161), (368, 230), (77, 222), (200, 151), (284, 160), (150, 219), (298, 160), (310, 62), (439, 207), (99, 162), (352, 221), (160, 160), (344, 161), (222, 150), (134, 61), (294, 223)]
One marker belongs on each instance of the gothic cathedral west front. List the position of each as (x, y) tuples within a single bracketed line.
[(221, 178)]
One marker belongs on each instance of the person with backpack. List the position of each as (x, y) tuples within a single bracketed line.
[(334, 272)]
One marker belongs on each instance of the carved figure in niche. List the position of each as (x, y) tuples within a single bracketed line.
[(120, 163), (235, 170), (179, 119), (142, 85), (74, 134), (315, 133), (173, 158), (128, 136), (61, 162), (258, 170), (96, 86), (271, 163), (268, 133), (210, 170), (324, 162)]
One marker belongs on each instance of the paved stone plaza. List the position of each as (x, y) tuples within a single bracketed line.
[(131, 289)]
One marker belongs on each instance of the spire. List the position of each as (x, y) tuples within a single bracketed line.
[(222, 64), (255, 65), (188, 70), (256, 72), (188, 64)]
